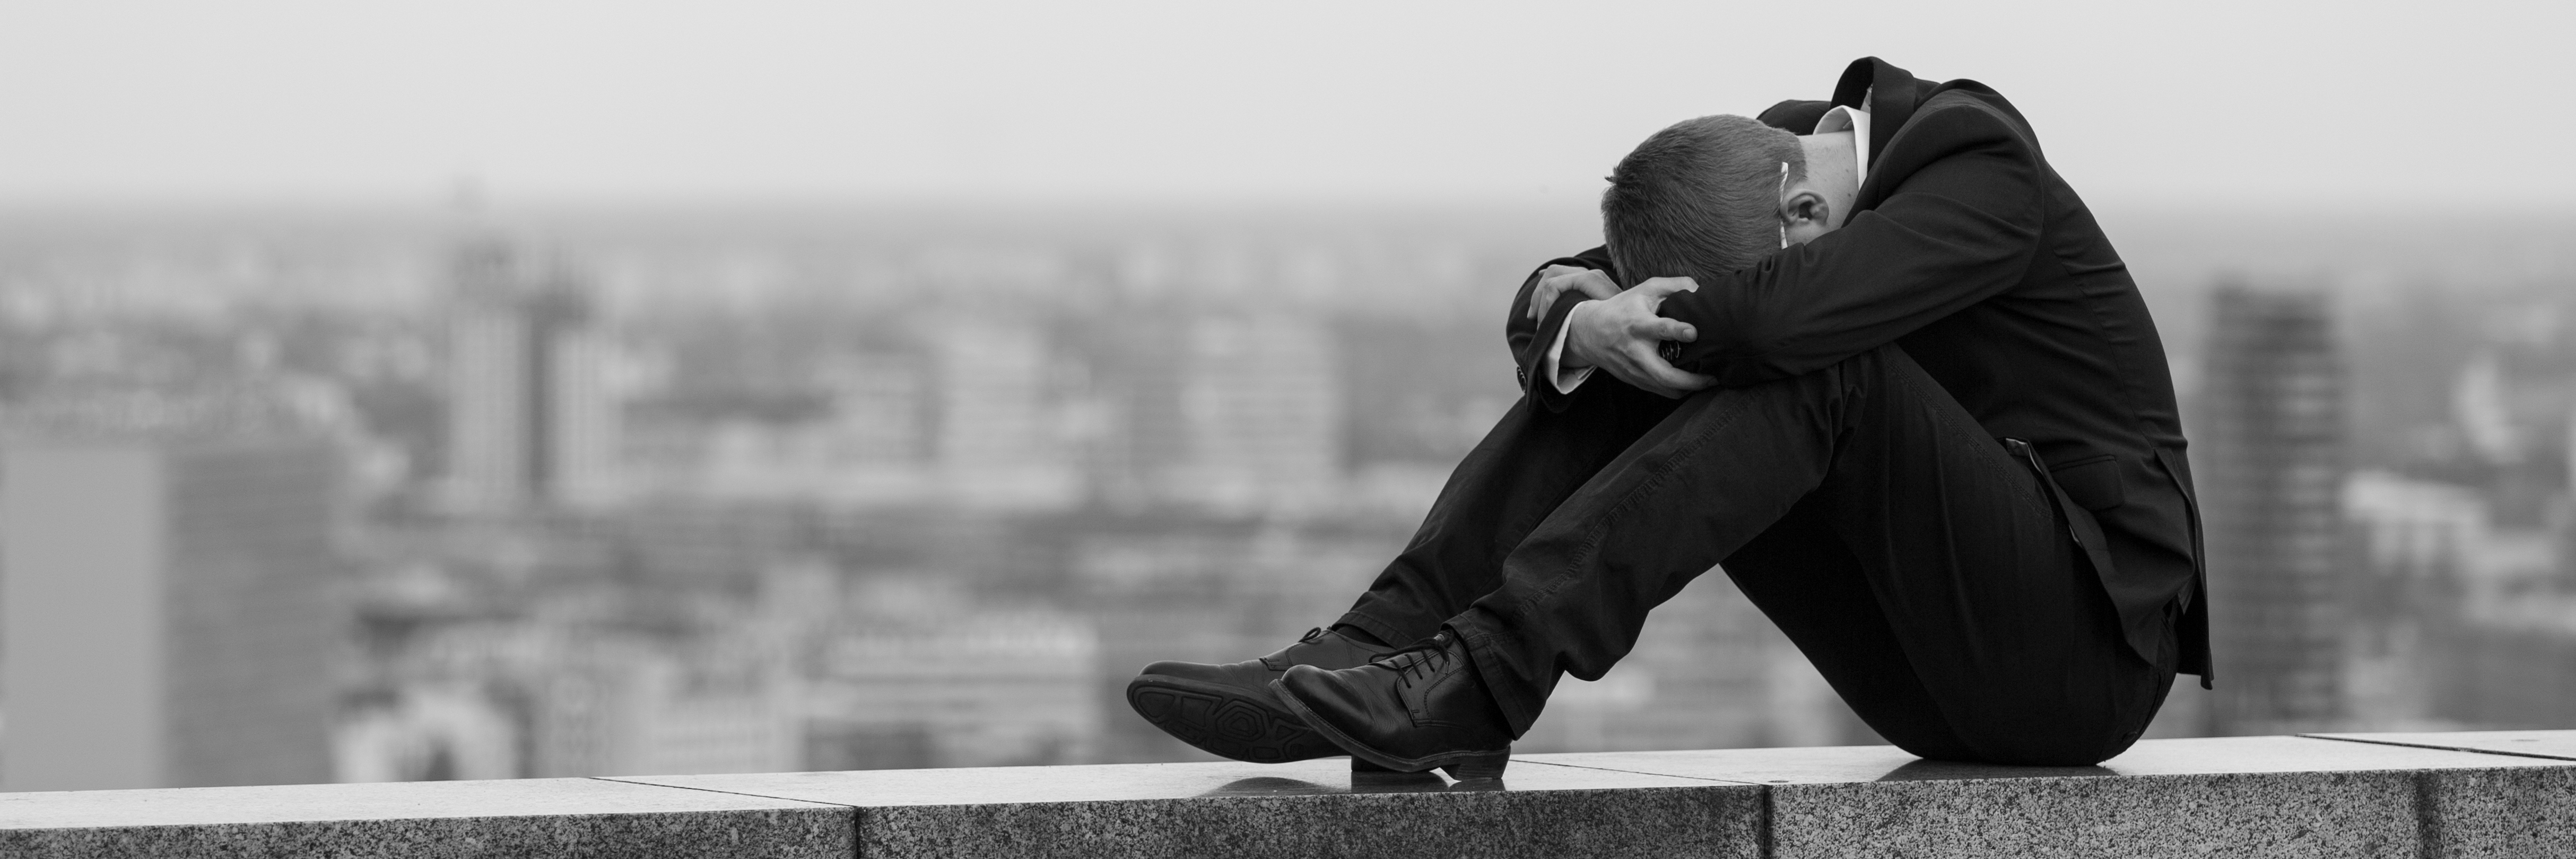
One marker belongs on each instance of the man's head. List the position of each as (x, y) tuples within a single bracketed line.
[(1711, 195)]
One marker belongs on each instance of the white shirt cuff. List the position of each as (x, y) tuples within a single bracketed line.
[(1548, 367)]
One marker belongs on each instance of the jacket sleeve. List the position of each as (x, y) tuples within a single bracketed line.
[(1530, 338), (1961, 225)]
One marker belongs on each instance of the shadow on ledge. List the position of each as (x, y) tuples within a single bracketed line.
[(1926, 770), (1380, 782)]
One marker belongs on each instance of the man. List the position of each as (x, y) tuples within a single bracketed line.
[(1930, 433)]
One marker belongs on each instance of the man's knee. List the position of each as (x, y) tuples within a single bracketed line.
[(1831, 394)]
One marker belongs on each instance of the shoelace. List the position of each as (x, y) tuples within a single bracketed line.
[(1421, 659)]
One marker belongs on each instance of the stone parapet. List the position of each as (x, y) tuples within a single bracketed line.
[(2505, 794)]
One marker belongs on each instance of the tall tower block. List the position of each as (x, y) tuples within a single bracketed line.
[(2270, 450), (168, 611), (531, 419)]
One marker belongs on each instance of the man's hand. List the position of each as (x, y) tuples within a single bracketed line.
[(1558, 278), (1621, 334)]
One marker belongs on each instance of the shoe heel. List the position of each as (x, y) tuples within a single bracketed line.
[(1479, 766)]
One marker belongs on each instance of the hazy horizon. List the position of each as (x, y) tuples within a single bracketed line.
[(2257, 105), (2418, 242)]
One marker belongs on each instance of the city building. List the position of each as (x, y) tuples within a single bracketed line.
[(986, 687), (1261, 410), (865, 447), (427, 732), (531, 416), (1000, 442), (627, 708), (2458, 623), (166, 609), (2268, 448), (2421, 552)]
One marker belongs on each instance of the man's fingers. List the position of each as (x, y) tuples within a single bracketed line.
[(1652, 367), (1554, 282), (1551, 285), (1622, 365), (1677, 381), (1596, 285), (1658, 287), (1660, 328), (1637, 378), (1544, 296)]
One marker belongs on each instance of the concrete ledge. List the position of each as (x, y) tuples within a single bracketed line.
[(2248, 796), (534, 817), (1306, 809), (2398, 795)]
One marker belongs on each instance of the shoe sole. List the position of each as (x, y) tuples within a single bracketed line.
[(1463, 766), (1226, 721)]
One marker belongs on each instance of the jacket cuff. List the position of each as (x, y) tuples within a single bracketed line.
[(1535, 382)]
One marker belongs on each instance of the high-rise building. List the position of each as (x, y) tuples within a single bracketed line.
[(168, 615), (2269, 455), (999, 441), (977, 687), (1261, 408), (2411, 597), (531, 418), (622, 707)]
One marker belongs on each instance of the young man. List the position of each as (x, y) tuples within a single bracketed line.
[(1913, 403)]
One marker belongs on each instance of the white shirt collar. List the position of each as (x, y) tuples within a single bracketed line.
[(1856, 121)]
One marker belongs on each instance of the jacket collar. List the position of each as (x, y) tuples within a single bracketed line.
[(1892, 93)]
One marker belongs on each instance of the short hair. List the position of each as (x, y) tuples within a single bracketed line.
[(1699, 199)]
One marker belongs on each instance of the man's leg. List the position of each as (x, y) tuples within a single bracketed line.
[(1975, 585), (1802, 577), (1528, 463), (1814, 588), (1509, 483)]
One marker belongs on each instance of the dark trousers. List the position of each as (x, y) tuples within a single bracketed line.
[(1922, 568)]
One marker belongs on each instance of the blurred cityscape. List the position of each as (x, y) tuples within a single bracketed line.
[(303, 496)]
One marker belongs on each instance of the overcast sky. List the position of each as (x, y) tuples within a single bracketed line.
[(2225, 104)]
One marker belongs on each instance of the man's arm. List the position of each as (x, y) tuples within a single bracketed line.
[(1531, 337), (1600, 327), (1962, 227)]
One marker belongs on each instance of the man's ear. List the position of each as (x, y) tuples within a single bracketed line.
[(1804, 207)]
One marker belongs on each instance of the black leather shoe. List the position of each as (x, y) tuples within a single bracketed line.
[(1416, 709), (1230, 710)]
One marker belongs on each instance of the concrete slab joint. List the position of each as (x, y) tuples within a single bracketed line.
[(2504, 794)]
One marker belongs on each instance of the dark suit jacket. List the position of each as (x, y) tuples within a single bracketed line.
[(1966, 249)]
